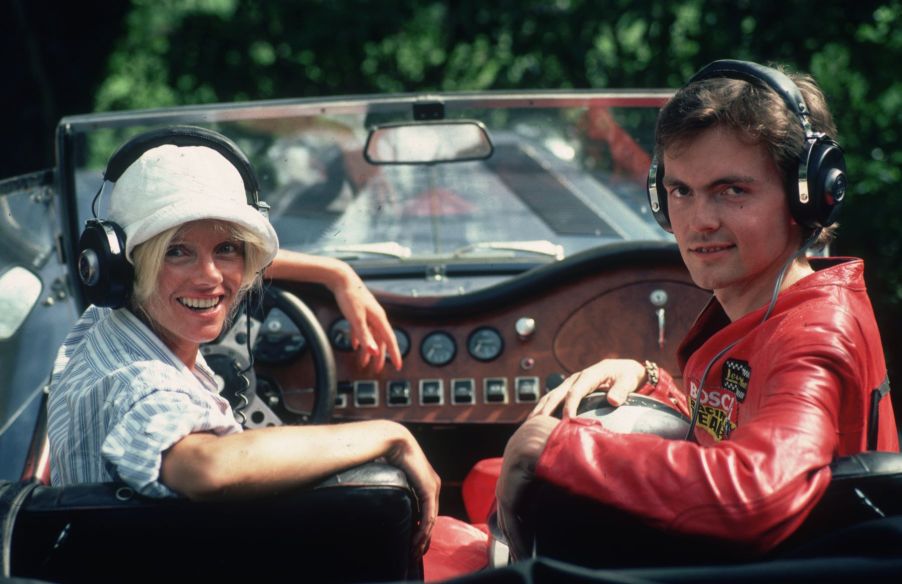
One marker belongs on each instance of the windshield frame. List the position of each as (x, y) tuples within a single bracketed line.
[(71, 127)]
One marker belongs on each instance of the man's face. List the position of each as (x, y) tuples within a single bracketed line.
[(729, 213), (197, 286)]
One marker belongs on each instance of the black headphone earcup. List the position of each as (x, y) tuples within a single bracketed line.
[(105, 273), (657, 195), (822, 185)]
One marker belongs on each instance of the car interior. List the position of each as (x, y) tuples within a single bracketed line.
[(519, 251)]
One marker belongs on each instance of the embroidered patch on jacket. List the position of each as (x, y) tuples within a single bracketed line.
[(717, 414), (735, 377)]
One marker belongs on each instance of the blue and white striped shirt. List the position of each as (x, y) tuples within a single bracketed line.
[(119, 398)]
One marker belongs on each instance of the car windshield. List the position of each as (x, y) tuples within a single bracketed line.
[(561, 173)]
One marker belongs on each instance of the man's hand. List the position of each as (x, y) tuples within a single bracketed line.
[(518, 470), (620, 377)]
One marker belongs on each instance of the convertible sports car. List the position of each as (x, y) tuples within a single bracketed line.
[(509, 239)]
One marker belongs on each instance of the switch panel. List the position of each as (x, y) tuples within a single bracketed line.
[(463, 391), (495, 390), (431, 392)]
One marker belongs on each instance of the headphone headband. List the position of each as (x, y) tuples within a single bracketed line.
[(776, 80), (132, 150)]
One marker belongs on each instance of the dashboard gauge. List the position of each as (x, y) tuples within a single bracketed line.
[(340, 335), (485, 344), (438, 348), (403, 342), (279, 339)]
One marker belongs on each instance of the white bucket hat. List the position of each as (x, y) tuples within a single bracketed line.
[(170, 185)]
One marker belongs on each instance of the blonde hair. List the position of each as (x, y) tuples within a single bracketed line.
[(148, 258)]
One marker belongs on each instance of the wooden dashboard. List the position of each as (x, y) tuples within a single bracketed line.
[(543, 325)]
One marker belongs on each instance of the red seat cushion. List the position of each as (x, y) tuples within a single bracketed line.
[(457, 548), (478, 489)]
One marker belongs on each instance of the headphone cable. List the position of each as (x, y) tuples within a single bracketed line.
[(242, 373), (770, 307), (96, 197)]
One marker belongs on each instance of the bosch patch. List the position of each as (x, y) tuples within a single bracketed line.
[(717, 412), (735, 377)]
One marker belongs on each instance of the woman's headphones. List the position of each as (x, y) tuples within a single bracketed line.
[(821, 184), (105, 273)]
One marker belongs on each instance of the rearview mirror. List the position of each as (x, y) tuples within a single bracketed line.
[(428, 142)]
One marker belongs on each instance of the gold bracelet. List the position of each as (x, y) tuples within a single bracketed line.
[(651, 373)]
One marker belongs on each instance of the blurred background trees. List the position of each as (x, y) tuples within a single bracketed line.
[(65, 58)]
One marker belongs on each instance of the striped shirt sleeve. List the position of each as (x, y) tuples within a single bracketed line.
[(135, 445), (119, 399)]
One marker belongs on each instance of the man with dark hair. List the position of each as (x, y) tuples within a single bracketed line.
[(781, 370)]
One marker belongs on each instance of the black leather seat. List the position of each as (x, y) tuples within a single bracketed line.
[(356, 526), (860, 514)]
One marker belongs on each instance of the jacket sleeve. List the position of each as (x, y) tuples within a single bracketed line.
[(754, 488), (666, 391)]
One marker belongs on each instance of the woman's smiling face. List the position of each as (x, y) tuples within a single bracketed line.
[(198, 283)]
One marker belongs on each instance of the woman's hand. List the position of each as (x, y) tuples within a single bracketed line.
[(268, 460), (408, 456), (619, 377), (371, 332)]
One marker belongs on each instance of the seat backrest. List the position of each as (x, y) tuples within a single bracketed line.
[(864, 487), (354, 527)]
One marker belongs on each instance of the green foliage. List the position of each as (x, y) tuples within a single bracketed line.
[(184, 52)]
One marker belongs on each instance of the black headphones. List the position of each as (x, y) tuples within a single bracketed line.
[(105, 273), (821, 185)]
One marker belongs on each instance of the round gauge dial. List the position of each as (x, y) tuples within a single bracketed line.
[(279, 340), (340, 335), (438, 348), (485, 344), (403, 342)]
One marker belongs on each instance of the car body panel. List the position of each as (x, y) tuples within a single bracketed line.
[(29, 225)]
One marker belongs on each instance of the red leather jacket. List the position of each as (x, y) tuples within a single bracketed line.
[(792, 394)]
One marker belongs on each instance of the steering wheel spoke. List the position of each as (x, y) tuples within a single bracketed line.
[(249, 396)]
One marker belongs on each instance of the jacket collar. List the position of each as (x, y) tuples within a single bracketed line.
[(830, 271)]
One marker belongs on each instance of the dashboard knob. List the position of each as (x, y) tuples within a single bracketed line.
[(658, 298), (525, 327), (553, 380)]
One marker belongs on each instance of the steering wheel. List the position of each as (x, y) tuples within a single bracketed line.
[(228, 358)]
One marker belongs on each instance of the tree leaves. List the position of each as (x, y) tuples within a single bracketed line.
[(225, 50)]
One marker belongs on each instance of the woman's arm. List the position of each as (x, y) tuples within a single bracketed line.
[(268, 460), (370, 329)]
